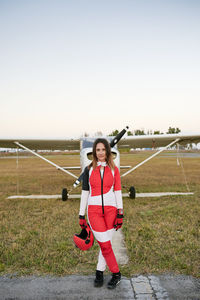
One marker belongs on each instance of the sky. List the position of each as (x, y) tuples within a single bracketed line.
[(82, 66)]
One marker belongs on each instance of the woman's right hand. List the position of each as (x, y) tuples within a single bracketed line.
[(82, 222)]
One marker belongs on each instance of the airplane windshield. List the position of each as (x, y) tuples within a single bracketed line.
[(88, 142)]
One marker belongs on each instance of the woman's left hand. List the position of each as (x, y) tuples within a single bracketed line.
[(82, 222), (119, 219)]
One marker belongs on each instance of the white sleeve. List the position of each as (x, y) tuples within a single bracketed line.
[(83, 203), (118, 198)]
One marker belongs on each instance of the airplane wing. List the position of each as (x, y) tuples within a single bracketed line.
[(39, 144), (42, 144), (157, 140), (136, 141)]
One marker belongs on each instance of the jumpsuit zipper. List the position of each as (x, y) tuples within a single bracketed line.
[(102, 189)]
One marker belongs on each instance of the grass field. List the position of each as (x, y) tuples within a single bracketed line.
[(161, 234)]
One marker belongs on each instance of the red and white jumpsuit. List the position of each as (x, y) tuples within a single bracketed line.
[(101, 193)]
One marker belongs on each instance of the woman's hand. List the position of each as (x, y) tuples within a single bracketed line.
[(119, 219), (82, 222)]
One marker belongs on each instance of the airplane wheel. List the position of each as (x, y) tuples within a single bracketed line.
[(132, 192), (64, 195)]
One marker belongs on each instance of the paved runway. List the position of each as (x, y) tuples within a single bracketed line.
[(81, 287)]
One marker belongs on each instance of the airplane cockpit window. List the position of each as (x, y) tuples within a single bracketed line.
[(88, 142), (90, 156), (114, 155)]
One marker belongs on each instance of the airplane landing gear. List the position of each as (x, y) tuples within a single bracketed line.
[(64, 194), (132, 192)]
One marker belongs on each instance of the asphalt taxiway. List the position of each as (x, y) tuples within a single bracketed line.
[(73, 287)]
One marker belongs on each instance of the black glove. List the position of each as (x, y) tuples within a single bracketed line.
[(82, 222), (119, 219)]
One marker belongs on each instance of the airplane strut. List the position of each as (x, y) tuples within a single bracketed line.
[(158, 152), (50, 162)]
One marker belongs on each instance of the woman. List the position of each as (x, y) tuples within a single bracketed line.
[(101, 193)]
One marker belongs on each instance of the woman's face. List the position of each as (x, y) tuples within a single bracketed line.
[(101, 152)]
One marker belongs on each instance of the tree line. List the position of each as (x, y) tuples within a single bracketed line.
[(171, 130)]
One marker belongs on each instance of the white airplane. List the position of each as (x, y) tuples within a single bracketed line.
[(85, 145)]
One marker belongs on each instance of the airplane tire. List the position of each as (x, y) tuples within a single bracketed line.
[(132, 192), (64, 194)]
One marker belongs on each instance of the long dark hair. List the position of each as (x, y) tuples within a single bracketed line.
[(109, 159)]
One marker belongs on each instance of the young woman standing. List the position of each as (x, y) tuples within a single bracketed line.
[(101, 194)]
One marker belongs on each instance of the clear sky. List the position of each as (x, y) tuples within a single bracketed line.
[(70, 67)]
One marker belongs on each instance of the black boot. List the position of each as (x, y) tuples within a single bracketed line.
[(98, 282), (114, 281)]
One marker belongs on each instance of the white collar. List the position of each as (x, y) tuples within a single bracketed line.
[(101, 163)]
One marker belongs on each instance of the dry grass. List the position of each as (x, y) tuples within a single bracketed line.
[(161, 234)]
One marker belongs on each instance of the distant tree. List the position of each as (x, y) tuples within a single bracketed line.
[(114, 133), (129, 133), (173, 130), (139, 132), (86, 134), (157, 132)]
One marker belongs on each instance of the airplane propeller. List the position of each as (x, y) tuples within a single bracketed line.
[(118, 137)]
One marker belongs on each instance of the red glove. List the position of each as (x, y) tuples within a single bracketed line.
[(119, 219), (82, 222)]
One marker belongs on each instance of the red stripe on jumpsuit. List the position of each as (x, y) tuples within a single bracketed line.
[(103, 221)]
